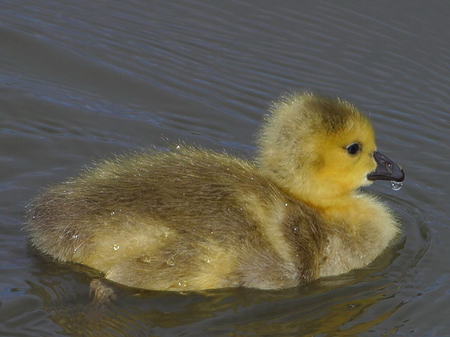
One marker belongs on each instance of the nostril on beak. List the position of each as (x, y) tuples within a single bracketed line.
[(389, 166)]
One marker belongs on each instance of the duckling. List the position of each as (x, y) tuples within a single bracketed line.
[(194, 219)]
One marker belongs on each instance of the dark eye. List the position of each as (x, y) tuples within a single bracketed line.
[(353, 148)]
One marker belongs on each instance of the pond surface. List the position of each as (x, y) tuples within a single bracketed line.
[(83, 80)]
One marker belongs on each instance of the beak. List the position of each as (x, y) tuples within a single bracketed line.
[(386, 169)]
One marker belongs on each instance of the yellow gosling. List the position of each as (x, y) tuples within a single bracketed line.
[(195, 219)]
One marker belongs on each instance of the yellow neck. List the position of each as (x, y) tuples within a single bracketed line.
[(351, 209)]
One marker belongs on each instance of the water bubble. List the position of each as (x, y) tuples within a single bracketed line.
[(182, 284), (396, 185)]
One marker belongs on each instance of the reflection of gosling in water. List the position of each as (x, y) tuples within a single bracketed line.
[(194, 219)]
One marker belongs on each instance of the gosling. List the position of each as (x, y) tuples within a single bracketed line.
[(194, 219)]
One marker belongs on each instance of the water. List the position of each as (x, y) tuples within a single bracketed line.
[(80, 81)]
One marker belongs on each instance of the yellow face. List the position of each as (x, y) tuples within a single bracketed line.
[(344, 159), (320, 149)]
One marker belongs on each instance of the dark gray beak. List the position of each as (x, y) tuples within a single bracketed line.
[(386, 169)]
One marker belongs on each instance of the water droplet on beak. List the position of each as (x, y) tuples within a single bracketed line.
[(396, 185)]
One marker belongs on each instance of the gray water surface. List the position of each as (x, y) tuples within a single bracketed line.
[(83, 80)]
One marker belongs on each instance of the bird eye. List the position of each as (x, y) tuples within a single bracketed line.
[(353, 148)]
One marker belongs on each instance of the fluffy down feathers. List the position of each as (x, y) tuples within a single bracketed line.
[(194, 219)]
